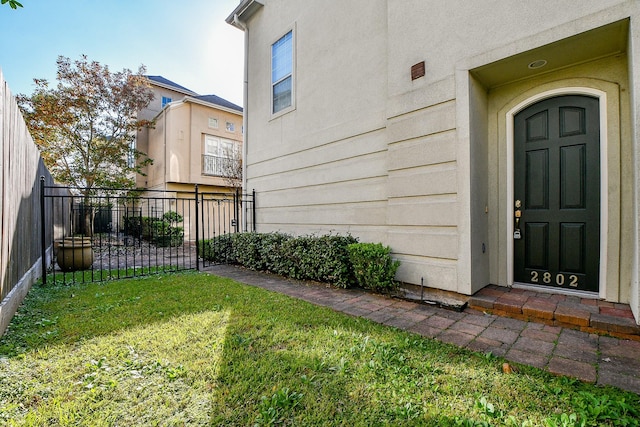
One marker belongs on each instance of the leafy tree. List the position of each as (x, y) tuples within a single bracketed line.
[(14, 4), (85, 126)]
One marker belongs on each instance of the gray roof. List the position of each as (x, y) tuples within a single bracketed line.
[(167, 82), (213, 99)]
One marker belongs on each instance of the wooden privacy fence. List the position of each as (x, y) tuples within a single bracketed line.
[(20, 170)]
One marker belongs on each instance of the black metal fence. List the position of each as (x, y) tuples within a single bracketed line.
[(115, 233)]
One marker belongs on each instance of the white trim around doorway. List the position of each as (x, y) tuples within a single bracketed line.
[(602, 97)]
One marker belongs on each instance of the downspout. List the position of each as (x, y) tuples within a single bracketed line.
[(164, 133), (245, 118), (189, 134)]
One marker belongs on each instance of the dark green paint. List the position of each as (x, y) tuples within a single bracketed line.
[(557, 178)]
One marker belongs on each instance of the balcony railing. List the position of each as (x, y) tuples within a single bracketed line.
[(216, 165)]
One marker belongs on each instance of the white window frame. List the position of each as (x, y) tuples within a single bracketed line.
[(225, 149), (291, 107)]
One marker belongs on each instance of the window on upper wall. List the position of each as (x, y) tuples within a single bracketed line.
[(213, 123), (231, 127), (282, 83), (220, 157), (165, 101), (131, 154)]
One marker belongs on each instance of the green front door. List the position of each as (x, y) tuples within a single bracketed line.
[(557, 193)]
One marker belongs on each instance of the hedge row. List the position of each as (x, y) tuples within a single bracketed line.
[(328, 258)]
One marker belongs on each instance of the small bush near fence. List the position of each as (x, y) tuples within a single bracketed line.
[(321, 258), (166, 231), (218, 250), (163, 231), (372, 266)]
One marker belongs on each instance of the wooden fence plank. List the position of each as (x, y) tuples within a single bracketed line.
[(20, 169)]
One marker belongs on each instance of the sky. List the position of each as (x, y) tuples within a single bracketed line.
[(187, 42)]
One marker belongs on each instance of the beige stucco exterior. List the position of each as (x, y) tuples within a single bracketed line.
[(176, 144), (425, 165)]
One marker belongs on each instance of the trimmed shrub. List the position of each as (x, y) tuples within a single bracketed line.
[(133, 226), (148, 226), (273, 254), (166, 232), (295, 265), (321, 258), (332, 258), (218, 250), (373, 266), (327, 258), (246, 250)]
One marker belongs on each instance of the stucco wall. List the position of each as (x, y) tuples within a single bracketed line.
[(417, 164), (332, 175), (198, 127), (176, 144)]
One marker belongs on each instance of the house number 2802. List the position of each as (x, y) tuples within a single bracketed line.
[(560, 279)]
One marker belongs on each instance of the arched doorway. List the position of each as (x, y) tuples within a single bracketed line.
[(556, 193)]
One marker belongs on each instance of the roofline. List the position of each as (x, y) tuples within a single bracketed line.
[(245, 9), (211, 104), (173, 88), (200, 102)]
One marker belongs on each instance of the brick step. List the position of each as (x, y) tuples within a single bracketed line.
[(589, 315)]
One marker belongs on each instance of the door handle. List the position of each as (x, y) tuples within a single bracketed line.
[(518, 213)]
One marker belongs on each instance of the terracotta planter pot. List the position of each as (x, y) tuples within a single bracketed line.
[(75, 253)]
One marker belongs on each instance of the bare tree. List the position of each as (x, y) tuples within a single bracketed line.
[(232, 166)]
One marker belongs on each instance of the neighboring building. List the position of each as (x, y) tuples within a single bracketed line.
[(191, 140), (195, 140), (487, 142)]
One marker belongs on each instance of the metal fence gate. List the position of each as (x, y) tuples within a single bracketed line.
[(116, 233)]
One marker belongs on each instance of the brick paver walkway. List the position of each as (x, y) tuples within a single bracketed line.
[(561, 350), (586, 314)]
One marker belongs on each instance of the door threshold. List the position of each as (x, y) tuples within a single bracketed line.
[(560, 291)]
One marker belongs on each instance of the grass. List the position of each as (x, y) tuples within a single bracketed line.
[(194, 349)]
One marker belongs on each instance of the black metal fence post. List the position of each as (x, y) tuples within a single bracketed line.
[(236, 207), (43, 240), (112, 254), (253, 209), (197, 231)]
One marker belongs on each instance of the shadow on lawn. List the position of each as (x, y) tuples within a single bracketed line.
[(281, 360)]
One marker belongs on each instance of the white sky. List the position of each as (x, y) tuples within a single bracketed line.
[(187, 42)]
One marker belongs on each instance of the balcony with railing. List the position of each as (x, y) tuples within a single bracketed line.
[(215, 165), (221, 166)]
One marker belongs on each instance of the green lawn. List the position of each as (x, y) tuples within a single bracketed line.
[(194, 349)]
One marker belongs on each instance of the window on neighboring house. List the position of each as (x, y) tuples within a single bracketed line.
[(219, 156), (213, 123), (231, 127), (282, 74), (165, 101), (131, 154)]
